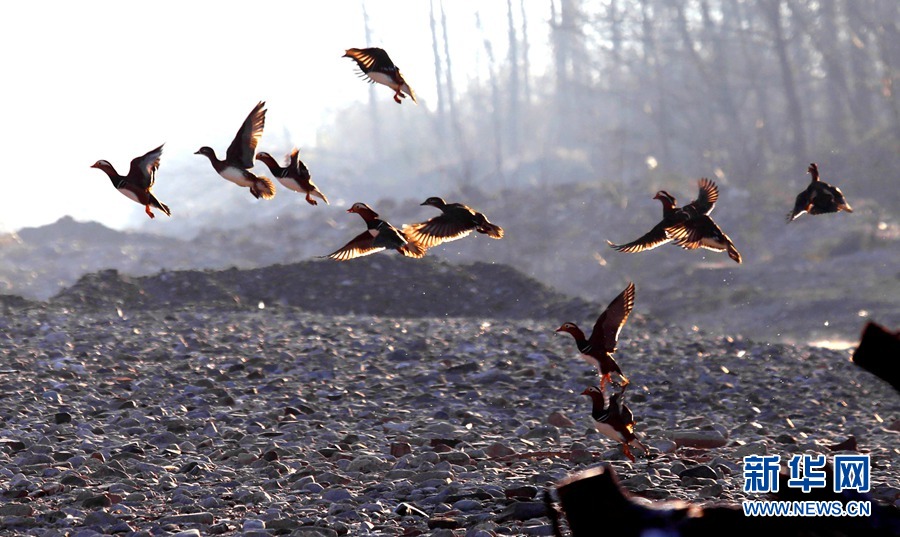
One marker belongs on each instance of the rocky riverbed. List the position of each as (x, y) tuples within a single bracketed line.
[(261, 416)]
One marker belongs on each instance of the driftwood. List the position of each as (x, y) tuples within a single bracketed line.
[(879, 353), (594, 503)]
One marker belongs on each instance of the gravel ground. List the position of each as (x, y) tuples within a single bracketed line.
[(197, 419)]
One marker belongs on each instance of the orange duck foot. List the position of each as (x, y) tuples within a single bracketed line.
[(604, 380), (149, 213), (311, 201), (627, 452), (397, 97)]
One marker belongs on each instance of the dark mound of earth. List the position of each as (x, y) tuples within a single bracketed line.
[(378, 285)]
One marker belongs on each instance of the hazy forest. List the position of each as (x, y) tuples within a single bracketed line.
[(649, 90)]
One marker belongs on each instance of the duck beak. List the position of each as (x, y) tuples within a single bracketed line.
[(561, 329)]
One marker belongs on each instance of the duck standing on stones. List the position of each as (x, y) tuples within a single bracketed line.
[(294, 176), (379, 235), (597, 350), (706, 200), (137, 184), (239, 157), (615, 421), (819, 197), (376, 66), (455, 222)]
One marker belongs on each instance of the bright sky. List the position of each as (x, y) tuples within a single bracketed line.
[(84, 81)]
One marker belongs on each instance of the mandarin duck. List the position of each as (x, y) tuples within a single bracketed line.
[(379, 235), (239, 157), (819, 197), (294, 175), (695, 229), (706, 200), (455, 222), (598, 348), (375, 65), (702, 232), (615, 421), (137, 184)]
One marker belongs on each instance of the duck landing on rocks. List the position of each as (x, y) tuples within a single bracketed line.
[(597, 350), (615, 421)]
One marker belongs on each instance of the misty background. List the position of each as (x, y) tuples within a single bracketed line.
[(569, 116)]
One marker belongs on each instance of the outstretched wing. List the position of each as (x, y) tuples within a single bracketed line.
[(436, 230), (695, 233), (297, 165), (143, 168), (606, 330), (702, 232), (652, 239), (243, 147), (362, 244), (371, 59), (706, 198)]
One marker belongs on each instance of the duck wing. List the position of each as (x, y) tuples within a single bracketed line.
[(605, 334), (143, 168), (243, 147)]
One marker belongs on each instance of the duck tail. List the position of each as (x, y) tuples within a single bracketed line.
[(160, 205), (264, 188), (733, 252), (491, 230), (319, 194), (412, 249)]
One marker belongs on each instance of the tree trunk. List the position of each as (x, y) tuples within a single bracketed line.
[(772, 9)]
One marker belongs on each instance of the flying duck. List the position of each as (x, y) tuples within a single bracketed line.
[(294, 176), (598, 348), (819, 197), (239, 157), (615, 421), (379, 235), (455, 222), (375, 65), (701, 232), (137, 184), (704, 204)]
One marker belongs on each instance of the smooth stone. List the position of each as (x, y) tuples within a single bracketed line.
[(188, 518), (523, 511), (16, 509), (701, 470), (365, 464), (753, 448), (558, 418), (336, 495), (467, 505), (497, 450), (699, 439)]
